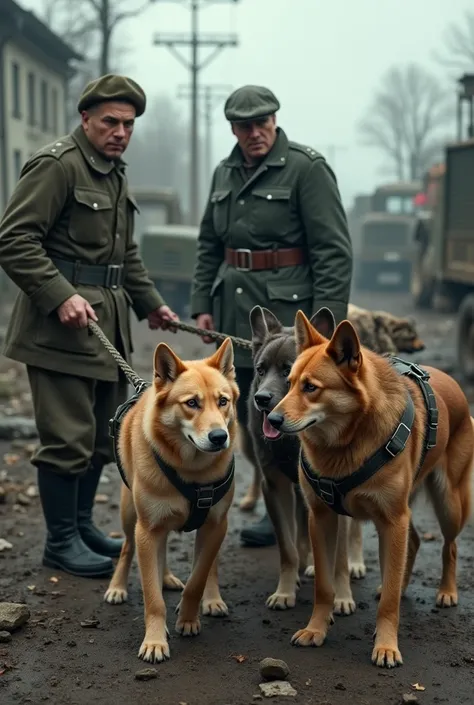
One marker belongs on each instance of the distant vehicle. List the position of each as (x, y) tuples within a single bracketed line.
[(157, 207), (169, 254), (385, 252)]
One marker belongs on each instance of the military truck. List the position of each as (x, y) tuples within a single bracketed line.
[(157, 207), (386, 244), (361, 206), (169, 254)]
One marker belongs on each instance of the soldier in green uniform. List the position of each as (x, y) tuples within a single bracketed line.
[(274, 233), (66, 240)]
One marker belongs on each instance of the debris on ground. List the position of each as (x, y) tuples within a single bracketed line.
[(5, 637), (274, 669), (146, 674), (276, 688), (13, 615), (409, 698)]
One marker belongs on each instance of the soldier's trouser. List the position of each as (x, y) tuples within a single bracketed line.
[(244, 376), (72, 416)]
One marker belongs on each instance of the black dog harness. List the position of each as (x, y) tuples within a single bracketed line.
[(332, 492), (201, 497)]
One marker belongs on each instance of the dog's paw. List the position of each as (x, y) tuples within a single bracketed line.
[(171, 582), (446, 599), (344, 606), (115, 596), (190, 627), (386, 657), (309, 571), (357, 570), (248, 503), (215, 608), (281, 601), (154, 650), (308, 637)]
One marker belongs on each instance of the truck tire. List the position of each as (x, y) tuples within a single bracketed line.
[(465, 338)]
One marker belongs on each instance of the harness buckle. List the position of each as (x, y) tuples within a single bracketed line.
[(417, 371), (326, 490), (205, 496), (398, 440)]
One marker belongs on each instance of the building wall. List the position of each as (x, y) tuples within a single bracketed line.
[(35, 99)]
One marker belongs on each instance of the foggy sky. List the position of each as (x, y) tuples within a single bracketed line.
[(322, 58)]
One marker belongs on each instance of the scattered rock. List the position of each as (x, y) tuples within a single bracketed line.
[(275, 688), (274, 669), (146, 674), (5, 637), (23, 499), (32, 491), (409, 698), (13, 615), (5, 545), (101, 498), (90, 623), (3, 495), (12, 427)]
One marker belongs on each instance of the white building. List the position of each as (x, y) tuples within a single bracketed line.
[(34, 72)]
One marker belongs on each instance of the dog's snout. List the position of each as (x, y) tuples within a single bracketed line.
[(218, 437), (276, 420), (263, 398)]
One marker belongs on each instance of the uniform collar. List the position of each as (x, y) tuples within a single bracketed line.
[(277, 156), (95, 160)]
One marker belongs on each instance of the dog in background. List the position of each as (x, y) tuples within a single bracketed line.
[(379, 331), (182, 427), (274, 352), (345, 403)]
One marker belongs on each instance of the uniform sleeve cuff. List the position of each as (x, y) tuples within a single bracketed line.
[(52, 294), (146, 304), (201, 304)]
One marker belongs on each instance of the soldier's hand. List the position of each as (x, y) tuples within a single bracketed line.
[(160, 318), (75, 311), (204, 320)]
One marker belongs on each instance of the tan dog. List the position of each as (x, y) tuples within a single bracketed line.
[(383, 333), (185, 423), (346, 404)]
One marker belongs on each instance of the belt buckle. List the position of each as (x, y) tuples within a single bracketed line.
[(112, 276), (247, 257)]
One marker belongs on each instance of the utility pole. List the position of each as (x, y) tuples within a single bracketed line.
[(331, 151), (212, 96), (195, 40)]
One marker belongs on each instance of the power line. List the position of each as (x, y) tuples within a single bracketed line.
[(195, 40)]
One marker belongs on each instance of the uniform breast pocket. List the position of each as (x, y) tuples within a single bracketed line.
[(220, 210), (271, 211), (91, 217)]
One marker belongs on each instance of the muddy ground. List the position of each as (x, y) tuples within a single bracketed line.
[(55, 660)]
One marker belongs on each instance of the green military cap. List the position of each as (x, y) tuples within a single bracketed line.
[(113, 87), (250, 103)]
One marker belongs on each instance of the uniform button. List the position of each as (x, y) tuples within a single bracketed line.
[(282, 159), (239, 290), (117, 235), (95, 205), (53, 150), (269, 196), (295, 296), (241, 202), (58, 144)]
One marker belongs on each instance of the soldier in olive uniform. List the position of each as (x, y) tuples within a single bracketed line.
[(274, 233), (66, 240)]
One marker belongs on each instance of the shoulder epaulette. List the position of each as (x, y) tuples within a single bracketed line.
[(304, 149), (55, 149)]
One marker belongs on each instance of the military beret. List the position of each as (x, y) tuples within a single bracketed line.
[(250, 103), (113, 87)]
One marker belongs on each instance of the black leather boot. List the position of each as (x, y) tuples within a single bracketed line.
[(64, 547), (260, 534), (90, 534)]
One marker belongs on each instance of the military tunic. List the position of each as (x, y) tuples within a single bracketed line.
[(291, 200)]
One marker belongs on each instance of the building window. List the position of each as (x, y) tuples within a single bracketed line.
[(16, 103), (17, 163), (54, 110), (44, 106), (31, 99)]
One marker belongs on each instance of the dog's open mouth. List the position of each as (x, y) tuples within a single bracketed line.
[(268, 431)]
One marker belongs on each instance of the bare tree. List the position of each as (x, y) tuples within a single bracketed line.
[(408, 120), (89, 26), (458, 47)]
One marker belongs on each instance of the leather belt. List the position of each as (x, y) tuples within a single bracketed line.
[(250, 260), (110, 276)]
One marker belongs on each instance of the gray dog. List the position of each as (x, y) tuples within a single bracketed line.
[(274, 351)]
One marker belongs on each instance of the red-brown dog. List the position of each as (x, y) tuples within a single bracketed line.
[(345, 402)]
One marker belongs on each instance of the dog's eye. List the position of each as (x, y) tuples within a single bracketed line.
[(222, 401), (192, 403), (308, 387), (260, 371), (286, 371)]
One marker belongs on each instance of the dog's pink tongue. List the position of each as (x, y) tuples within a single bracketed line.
[(268, 429)]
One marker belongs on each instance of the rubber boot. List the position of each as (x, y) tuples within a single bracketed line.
[(64, 547), (90, 534), (260, 534)]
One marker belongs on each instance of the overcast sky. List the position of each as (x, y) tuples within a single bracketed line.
[(322, 58)]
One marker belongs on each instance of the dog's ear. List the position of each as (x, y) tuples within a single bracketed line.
[(263, 323), (166, 364), (324, 322), (223, 359), (344, 347), (306, 336)]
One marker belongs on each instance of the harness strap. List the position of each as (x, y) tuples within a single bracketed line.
[(332, 492)]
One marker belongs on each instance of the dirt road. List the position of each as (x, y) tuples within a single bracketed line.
[(56, 660)]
